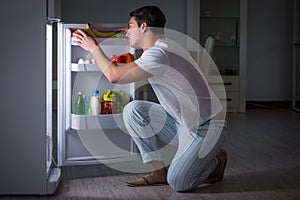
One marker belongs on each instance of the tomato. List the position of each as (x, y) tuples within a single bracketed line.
[(128, 57), (124, 58), (118, 59)]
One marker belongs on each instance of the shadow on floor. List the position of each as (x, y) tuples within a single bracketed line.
[(273, 179)]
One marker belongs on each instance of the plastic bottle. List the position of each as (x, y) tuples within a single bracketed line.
[(95, 103), (79, 105), (86, 104)]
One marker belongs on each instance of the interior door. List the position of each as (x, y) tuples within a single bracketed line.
[(296, 57)]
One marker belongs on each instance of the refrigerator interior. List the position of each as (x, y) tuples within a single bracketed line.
[(89, 139)]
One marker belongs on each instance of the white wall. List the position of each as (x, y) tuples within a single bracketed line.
[(269, 70)]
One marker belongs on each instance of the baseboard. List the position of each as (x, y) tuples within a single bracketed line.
[(268, 104)]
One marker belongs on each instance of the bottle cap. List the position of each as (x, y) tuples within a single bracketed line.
[(96, 91), (80, 93)]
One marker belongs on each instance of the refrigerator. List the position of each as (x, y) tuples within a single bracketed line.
[(89, 139), (40, 80)]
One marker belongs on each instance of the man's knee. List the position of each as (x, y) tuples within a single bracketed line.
[(182, 182), (128, 108), (177, 183), (134, 111)]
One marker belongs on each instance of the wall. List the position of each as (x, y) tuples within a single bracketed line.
[(118, 11), (269, 70)]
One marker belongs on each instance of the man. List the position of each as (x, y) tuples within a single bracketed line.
[(189, 114)]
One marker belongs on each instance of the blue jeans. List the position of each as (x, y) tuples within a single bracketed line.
[(148, 124)]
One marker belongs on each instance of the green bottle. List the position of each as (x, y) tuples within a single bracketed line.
[(80, 105)]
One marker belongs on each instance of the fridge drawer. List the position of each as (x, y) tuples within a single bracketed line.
[(89, 147)]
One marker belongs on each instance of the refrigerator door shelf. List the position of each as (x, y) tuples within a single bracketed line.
[(110, 50), (84, 67), (94, 147), (96, 122)]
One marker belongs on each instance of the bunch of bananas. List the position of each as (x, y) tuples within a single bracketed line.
[(91, 31)]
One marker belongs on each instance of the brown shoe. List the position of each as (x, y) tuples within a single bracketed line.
[(148, 180), (145, 181), (217, 175)]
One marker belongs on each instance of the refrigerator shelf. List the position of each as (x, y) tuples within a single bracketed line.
[(96, 122), (84, 67), (75, 67), (112, 41)]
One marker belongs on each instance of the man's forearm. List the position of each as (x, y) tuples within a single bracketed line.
[(101, 59)]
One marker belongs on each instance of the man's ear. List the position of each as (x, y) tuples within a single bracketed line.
[(144, 26)]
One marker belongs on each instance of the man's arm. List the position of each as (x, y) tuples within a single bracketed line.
[(127, 73)]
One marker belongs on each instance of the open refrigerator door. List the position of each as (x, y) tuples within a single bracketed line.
[(52, 171), (85, 138)]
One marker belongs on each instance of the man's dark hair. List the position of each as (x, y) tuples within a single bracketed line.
[(152, 15)]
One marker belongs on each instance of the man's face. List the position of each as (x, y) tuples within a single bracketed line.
[(134, 33)]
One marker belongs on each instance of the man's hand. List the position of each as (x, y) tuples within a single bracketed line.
[(83, 40)]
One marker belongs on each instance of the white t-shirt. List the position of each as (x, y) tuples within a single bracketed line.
[(179, 84)]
